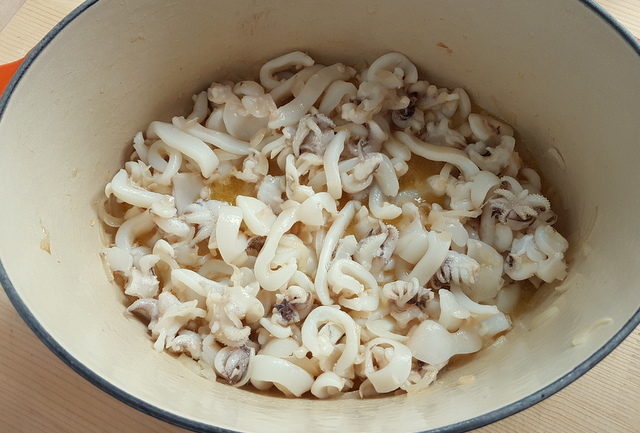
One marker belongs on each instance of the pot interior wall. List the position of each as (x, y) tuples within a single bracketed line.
[(553, 69)]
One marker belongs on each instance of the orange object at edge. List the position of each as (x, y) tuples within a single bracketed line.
[(6, 72)]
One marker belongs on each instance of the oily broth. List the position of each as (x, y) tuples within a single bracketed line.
[(228, 189), (415, 178)]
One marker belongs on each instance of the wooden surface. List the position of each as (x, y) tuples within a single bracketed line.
[(41, 394)]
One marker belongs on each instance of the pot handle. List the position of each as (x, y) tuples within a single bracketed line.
[(6, 72)]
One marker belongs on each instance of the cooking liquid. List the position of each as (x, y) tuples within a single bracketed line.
[(229, 188), (415, 179)]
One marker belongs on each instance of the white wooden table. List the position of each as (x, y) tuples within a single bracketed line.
[(41, 394)]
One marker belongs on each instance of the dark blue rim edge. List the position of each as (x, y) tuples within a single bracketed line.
[(196, 426)]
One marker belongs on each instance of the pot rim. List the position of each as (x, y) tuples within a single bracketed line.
[(196, 426)]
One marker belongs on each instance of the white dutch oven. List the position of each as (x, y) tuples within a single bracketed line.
[(562, 72)]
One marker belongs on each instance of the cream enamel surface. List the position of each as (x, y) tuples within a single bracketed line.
[(558, 98)]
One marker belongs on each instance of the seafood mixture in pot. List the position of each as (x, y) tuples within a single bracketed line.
[(324, 230)]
